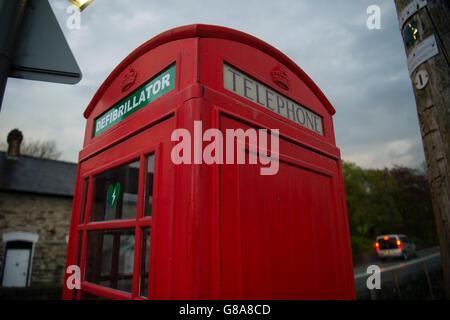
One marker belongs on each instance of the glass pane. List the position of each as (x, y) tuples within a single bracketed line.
[(80, 245), (145, 257), (85, 191), (110, 257), (115, 193), (391, 243), (149, 185)]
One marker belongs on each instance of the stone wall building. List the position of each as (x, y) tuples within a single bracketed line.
[(35, 207)]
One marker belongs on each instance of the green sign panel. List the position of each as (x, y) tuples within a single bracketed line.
[(141, 97), (410, 33), (113, 194)]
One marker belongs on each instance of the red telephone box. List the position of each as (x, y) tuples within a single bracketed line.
[(145, 226)]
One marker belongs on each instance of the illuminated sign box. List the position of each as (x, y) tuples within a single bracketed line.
[(140, 98), (253, 90)]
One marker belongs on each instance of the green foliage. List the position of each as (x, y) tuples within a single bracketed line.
[(387, 201), (361, 245)]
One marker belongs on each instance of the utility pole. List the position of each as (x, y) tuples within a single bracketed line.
[(425, 29)]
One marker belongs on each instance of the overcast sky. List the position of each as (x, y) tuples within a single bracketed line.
[(362, 72)]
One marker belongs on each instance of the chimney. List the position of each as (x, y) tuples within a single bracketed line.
[(15, 138)]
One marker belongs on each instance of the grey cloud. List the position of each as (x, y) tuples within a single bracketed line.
[(362, 72)]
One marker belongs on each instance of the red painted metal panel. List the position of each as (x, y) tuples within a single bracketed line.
[(258, 65), (221, 230), (282, 234), (206, 31)]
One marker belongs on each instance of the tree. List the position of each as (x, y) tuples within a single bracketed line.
[(37, 149), (413, 201), (387, 201), (370, 205)]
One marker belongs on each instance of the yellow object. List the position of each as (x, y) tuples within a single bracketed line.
[(80, 4)]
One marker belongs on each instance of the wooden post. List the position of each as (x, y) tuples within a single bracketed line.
[(428, 64), (397, 285), (427, 275), (373, 294)]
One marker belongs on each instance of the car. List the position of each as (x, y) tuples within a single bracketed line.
[(394, 246)]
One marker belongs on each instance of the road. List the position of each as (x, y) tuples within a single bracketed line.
[(398, 274), (361, 271)]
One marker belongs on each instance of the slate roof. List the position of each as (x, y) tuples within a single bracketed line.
[(35, 175)]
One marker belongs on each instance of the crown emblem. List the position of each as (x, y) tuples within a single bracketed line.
[(128, 79), (279, 76)]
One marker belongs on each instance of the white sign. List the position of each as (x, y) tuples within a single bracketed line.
[(421, 79), (253, 90), (422, 52), (409, 10)]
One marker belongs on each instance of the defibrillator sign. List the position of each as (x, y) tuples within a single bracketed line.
[(141, 97)]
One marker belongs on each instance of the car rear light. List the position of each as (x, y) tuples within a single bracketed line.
[(399, 244), (386, 238), (377, 245)]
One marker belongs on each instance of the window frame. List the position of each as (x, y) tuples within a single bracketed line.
[(139, 223)]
